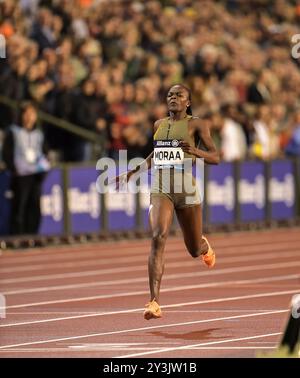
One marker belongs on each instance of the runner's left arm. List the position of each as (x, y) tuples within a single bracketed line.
[(211, 155)]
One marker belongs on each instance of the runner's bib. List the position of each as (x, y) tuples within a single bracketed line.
[(167, 152)]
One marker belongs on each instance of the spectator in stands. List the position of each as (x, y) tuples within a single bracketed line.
[(258, 92), (150, 45), (42, 31), (24, 152), (14, 82), (233, 143), (86, 114), (293, 146), (266, 140)]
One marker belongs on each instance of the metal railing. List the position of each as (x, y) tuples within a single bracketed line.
[(62, 124)]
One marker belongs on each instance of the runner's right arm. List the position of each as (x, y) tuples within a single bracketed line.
[(145, 165)]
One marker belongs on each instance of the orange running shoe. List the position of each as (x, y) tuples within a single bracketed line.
[(152, 310), (209, 258)]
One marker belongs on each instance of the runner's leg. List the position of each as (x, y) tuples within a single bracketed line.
[(160, 217)]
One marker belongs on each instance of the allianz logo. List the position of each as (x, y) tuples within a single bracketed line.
[(162, 143), (283, 191), (121, 202), (52, 203), (85, 202), (252, 192), (221, 194)]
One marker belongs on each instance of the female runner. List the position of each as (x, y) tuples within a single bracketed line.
[(173, 187)]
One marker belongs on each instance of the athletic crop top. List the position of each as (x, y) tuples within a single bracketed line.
[(175, 131)]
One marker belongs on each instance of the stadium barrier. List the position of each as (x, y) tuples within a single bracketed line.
[(95, 139), (237, 196)]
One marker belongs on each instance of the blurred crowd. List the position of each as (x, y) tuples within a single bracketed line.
[(106, 66)]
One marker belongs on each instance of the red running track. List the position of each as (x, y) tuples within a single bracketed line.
[(87, 300)]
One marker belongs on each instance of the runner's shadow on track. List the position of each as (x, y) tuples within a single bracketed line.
[(206, 334)]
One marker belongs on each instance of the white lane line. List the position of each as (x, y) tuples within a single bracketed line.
[(93, 313), (97, 346), (114, 349), (66, 255), (101, 260), (122, 270), (120, 259), (260, 342), (92, 251), (187, 347), (176, 305), (144, 329), (142, 279), (293, 233), (171, 289), (214, 311), (100, 249), (233, 348), (235, 240), (71, 350)]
